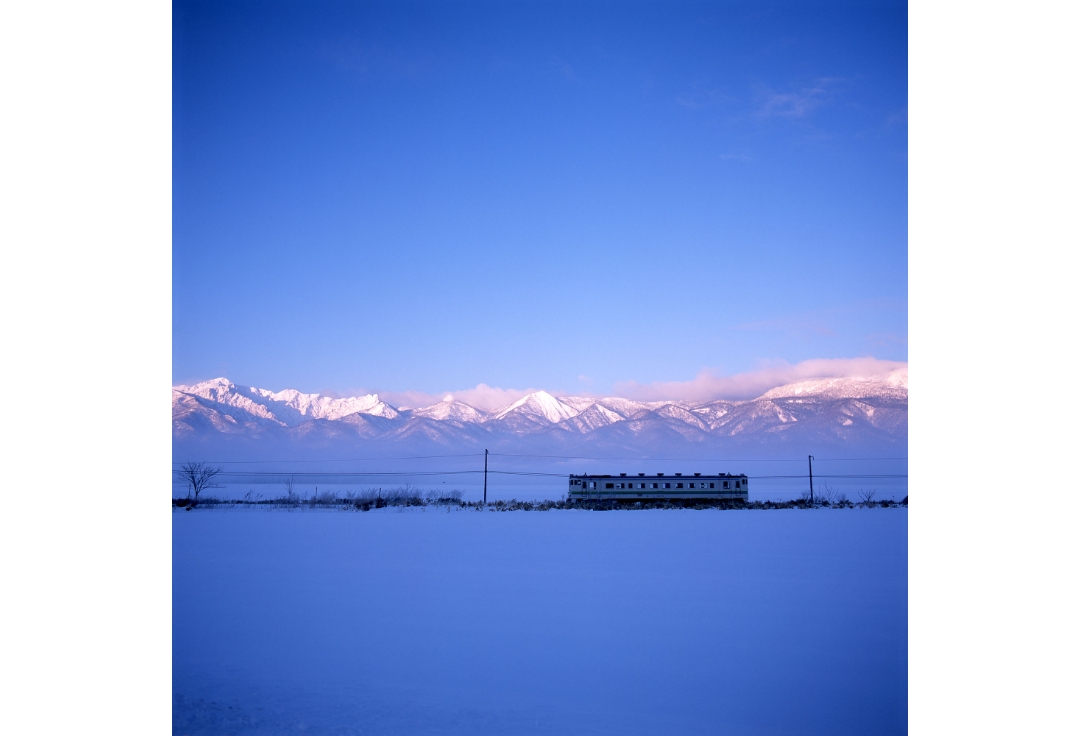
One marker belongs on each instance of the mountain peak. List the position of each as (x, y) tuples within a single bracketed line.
[(220, 382), (453, 410), (539, 404), (818, 410), (892, 385)]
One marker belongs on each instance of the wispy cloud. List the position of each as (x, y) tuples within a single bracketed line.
[(797, 103), (698, 98), (368, 62), (793, 325), (709, 385), (826, 321), (896, 118), (564, 68), (886, 339)]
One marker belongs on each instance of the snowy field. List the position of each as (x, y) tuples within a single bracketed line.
[(425, 621)]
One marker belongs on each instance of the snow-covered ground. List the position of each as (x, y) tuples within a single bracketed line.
[(426, 621)]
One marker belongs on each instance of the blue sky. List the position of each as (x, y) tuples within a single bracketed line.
[(578, 197)]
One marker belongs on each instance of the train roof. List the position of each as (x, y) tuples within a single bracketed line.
[(659, 475)]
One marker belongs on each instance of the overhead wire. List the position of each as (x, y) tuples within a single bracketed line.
[(428, 473), (696, 459), (334, 460), (556, 457)]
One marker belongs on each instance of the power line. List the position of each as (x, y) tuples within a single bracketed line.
[(427, 473), (695, 460), (343, 474), (557, 457), (689, 478), (339, 460)]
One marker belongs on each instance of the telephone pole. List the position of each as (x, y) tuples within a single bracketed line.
[(810, 459), (485, 477)]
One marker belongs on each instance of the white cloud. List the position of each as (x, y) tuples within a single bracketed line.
[(707, 385), (797, 103)]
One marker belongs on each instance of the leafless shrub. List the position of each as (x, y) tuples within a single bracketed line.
[(444, 496), (407, 495), (827, 496), (867, 497), (326, 498), (199, 477), (289, 484)]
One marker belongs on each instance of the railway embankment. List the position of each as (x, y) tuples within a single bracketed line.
[(367, 503)]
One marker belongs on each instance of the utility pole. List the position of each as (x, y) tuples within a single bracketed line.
[(485, 477), (810, 459)]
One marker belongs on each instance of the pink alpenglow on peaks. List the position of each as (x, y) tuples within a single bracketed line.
[(869, 405), (708, 385), (539, 404)]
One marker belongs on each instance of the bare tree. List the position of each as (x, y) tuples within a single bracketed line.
[(827, 495), (289, 484), (199, 477), (867, 496)]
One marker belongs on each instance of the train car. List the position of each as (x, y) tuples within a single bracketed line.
[(643, 487)]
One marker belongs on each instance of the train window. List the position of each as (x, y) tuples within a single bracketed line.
[(609, 485), (726, 484), (593, 485), (667, 485), (678, 485), (736, 484), (655, 485), (712, 485)]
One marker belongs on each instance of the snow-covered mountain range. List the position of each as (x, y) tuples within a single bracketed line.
[(806, 414)]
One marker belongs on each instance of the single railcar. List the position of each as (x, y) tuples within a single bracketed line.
[(644, 487)]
